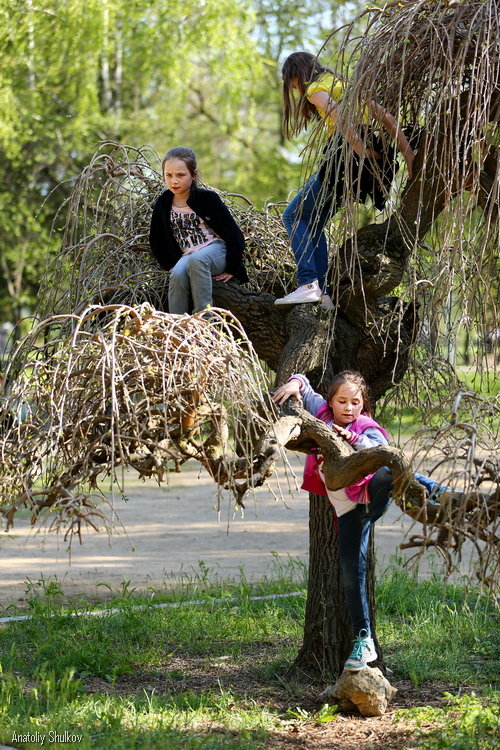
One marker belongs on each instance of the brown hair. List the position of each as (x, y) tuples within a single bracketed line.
[(187, 155), (354, 378), (297, 114)]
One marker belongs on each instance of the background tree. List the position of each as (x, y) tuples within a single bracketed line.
[(75, 73), (438, 66)]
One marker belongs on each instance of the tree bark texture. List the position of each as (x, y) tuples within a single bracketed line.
[(328, 635)]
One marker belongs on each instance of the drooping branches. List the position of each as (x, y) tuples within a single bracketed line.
[(105, 256), (121, 387), (436, 67), (108, 380), (462, 445), (131, 387)]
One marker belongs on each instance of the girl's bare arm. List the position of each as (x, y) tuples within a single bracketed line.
[(394, 129), (324, 103)]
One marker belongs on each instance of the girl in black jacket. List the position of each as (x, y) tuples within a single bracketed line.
[(193, 235)]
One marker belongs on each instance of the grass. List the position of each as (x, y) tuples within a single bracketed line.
[(208, 676), (437, 633), (465, 723)]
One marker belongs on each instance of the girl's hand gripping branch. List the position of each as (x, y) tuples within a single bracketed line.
[(346, 434), (283, 392)]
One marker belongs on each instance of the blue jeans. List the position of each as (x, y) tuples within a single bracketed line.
[(304, 220), (192, 275), (354, 533)]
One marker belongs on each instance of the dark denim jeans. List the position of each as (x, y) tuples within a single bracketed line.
[(304, 219), (354, 533)]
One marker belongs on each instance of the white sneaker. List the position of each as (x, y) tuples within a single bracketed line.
[(326, 302), (305, 293), (363, 652)]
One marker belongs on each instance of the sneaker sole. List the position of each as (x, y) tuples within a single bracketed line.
[(297, 302)]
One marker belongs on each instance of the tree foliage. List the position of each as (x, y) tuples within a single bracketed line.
[(435, 65), (75, 73)]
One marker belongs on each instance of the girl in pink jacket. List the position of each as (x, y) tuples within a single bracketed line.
[(347, 411)]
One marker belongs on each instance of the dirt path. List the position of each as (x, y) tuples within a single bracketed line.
[(174, 534)]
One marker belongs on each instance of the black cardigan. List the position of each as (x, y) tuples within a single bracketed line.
[(214, 212)]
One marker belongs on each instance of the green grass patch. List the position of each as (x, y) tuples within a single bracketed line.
[(485, 382), (465, 723), (209, 675), (60, 711), (438, 633)]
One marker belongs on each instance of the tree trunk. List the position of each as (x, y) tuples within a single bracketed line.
[(328, 634), (327, 631)]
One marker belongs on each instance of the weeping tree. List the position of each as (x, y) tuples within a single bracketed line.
[(107, 379)]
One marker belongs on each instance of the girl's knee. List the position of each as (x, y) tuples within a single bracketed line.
[(381, 480), (199, 259), (178, 282), (384, 473), (177, 274), (198, 263)]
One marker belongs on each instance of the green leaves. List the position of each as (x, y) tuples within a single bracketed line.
[(77, 72)]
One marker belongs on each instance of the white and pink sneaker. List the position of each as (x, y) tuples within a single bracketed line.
[(305, 293)]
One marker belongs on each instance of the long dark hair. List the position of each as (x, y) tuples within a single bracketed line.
[(297, 113), (354, 378)]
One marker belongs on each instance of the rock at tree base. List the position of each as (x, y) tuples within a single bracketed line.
[(368, 691)]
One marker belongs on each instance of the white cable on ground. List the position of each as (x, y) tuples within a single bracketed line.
[(159, 605)]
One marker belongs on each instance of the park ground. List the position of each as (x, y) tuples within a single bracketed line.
[(215, 674), (163, 535)]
